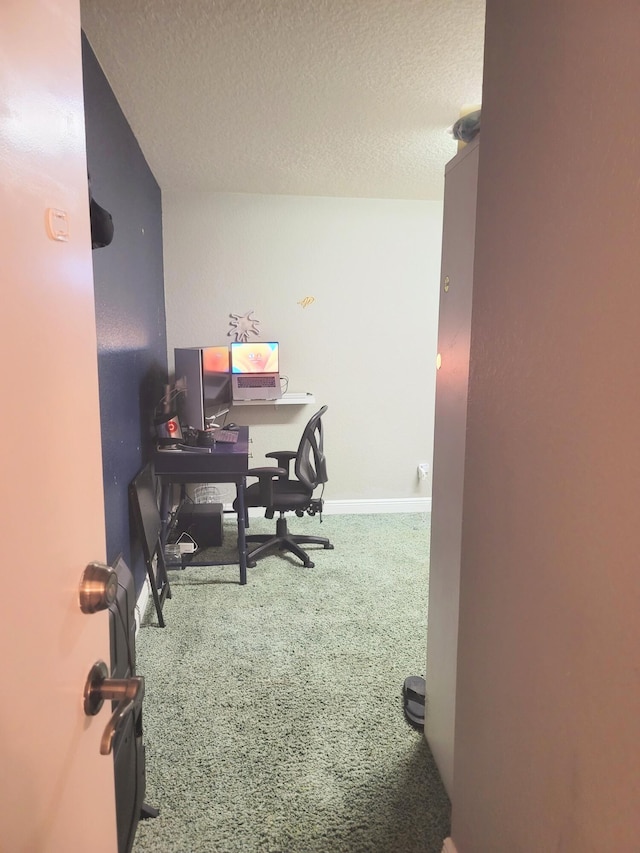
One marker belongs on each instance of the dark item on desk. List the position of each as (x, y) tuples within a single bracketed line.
[(206, 437), (278, 492), (225, 436), (189, 436)]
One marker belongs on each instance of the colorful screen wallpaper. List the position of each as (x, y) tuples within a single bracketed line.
[(254, 357), (215, 359)]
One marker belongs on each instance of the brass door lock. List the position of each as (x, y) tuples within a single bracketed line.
[(98, 587)]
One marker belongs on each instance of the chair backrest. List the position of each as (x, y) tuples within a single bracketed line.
[(311, 465)]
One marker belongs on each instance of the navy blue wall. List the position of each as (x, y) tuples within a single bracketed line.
[(130, 313)]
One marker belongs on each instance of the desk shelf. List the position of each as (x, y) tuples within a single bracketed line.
[(290, 399)]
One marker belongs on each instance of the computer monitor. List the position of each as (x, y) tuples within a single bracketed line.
[(254, 357), (215, 360), (207, 383)]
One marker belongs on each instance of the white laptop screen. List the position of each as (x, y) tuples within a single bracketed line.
[(258, 357)]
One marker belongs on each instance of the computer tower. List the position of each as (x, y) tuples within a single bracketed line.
[(201, 523)]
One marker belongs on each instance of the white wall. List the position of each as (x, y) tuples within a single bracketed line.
[(365, 346)]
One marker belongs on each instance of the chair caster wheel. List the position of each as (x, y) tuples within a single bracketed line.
[(309, 565), (328, 547), (251, 564)]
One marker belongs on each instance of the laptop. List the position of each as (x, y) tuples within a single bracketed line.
[(255, 372)]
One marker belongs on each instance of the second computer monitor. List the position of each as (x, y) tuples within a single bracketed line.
[(207, 380)]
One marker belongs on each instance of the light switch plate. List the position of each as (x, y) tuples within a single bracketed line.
[(57, 224)]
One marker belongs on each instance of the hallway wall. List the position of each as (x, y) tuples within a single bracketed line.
[(129, 295), (548, 695)]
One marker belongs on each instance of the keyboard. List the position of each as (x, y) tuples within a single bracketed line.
[(227, 436), (256, 382)]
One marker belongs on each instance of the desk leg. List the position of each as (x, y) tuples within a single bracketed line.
[(165, 509), (242, 542)]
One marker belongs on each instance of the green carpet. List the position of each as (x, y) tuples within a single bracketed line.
[(273, 712)]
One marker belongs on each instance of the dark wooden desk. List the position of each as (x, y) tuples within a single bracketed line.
[(227, 463)]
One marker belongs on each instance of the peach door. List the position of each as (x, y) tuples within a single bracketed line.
[(57, 791)]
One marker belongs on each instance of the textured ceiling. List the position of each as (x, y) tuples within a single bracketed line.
[(302, 97)]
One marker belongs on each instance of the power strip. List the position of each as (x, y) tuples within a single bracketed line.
[(187, 547)]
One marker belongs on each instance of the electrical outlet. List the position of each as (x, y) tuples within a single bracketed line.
[(423, 470)]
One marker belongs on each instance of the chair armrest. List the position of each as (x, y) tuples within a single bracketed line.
[(266, 476), (283, 458), (270, 472)]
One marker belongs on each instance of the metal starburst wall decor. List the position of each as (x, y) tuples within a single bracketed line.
[(243, 325)]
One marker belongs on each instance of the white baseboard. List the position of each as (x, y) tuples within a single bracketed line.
[(141, 603), (363, 507), (377, 505), (448, 846)]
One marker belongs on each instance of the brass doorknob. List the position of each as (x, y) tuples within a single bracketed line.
[(128, 692), (98, 587)]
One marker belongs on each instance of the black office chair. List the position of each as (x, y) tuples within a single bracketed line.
[(278, 492)]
